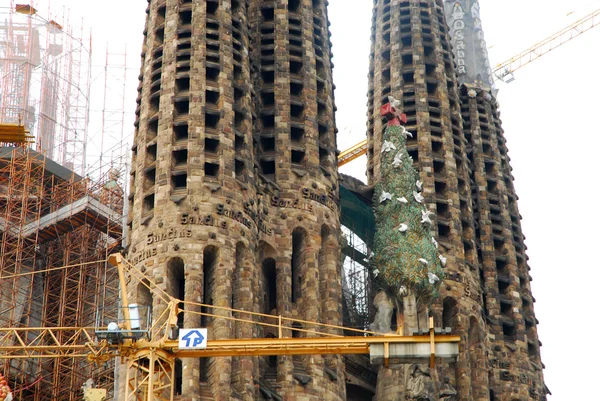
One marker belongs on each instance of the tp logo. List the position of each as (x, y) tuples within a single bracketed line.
[(192, 338)]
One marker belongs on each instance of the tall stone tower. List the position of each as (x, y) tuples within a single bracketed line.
[(234, 196), (514, 355), (411, 60), (485, 293)]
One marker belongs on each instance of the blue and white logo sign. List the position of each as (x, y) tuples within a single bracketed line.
[(193, 338)]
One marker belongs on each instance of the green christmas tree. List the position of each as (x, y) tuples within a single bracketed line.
[(405, 257)]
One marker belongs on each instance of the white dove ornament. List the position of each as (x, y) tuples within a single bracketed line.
[(443, 260), (387, 146), (432, 278), (403, 228), (418, 197), (385, 196), (426, 217), (397, 162), (394, 102)]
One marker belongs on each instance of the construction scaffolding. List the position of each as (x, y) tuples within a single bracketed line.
[(51, 217), (45, 70), (355, 280)]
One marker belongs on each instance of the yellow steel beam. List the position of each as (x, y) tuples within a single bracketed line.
[(79, 342), (285, 346), (353, 153)]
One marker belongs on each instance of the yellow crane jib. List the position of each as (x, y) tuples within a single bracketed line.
[(353, 153), (150, 354)]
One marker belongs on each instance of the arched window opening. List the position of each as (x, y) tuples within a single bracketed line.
[(298, 256), (203, 370), (144, 301), (176, 283), (269, 272), (296, 333), (178, 377), (449, 313), (236, 291), (209, 261), (358, 393)]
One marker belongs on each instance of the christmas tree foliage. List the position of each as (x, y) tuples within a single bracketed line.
[(405, 257)]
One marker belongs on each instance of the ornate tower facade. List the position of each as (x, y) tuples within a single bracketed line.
[(234, 196), (460, 152), (514, 354), (411, 60)]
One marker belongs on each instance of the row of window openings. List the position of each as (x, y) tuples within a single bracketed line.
[(177, 286), (268, 11)]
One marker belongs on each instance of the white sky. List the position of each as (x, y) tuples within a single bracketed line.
[(550, 117)]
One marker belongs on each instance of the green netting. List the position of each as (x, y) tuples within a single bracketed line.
[(357, 216)]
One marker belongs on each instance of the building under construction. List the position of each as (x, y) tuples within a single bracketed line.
[(235, 202), (51, 218), (50, 215)]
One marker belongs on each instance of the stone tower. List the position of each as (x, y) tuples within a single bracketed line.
[(481, 297), (234, 192), (411, 60), (508, 302)]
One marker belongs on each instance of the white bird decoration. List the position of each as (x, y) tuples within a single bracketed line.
[(406, 133), (394, 102), (397, 162), (403, 228), (432, 278), (376, 272), (402, 200), (387, 146), (443, 260), (423, 261), (403, 291), (435, 243), (426, 217), (419, 185), (418, 197), (385, 196)]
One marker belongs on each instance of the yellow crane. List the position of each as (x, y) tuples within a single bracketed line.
[(504, 71), (151, 354)]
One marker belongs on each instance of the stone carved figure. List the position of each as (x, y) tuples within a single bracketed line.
[(383, 318), (447, 392), (419, 386)]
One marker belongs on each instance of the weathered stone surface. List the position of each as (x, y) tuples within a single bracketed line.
[(235, 194), (461, 154)]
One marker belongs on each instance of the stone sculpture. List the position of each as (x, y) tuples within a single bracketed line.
[(419, 386), (447, 392), (383, 317)]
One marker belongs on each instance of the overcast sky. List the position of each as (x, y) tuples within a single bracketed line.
[(550, 117)]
